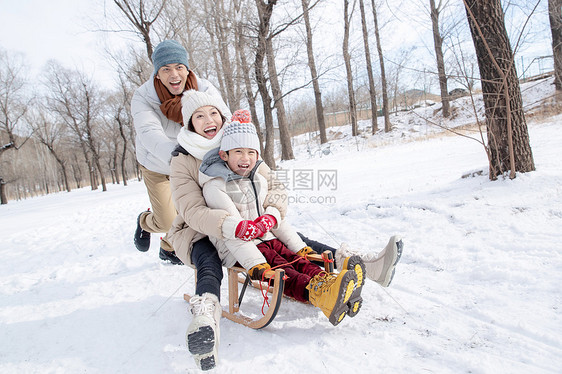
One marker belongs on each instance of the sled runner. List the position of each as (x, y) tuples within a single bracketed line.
[(238, 274)]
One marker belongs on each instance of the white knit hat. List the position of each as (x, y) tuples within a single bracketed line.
[(192, 100), (240, 134)]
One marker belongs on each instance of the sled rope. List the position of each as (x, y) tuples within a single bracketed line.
[(326, 258), (264, 292)]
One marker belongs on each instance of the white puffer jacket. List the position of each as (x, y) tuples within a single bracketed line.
[(155, 134)]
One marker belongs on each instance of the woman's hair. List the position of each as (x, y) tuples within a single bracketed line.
[(191, 128)]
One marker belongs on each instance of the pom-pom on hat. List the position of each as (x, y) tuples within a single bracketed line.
[(240, 133), (192, 100), (168, 52), (242, 116)]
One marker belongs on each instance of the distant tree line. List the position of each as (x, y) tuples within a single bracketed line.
[(64, 131)]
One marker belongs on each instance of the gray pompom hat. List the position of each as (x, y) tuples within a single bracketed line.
[(240, 135)]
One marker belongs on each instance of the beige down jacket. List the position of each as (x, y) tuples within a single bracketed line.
[(195, 220)]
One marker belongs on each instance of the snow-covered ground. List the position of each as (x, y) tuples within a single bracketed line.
[(478, 289)]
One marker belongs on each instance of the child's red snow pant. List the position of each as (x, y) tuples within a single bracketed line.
[(299, 272)]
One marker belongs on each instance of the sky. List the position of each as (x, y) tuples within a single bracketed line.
[(55, 29), (477, 289), (61, 30)]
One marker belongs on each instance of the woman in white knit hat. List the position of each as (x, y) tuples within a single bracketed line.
[(196, 222), (204, 120)]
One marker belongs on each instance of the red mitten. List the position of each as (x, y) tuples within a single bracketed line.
[(247, 230), (242, 116), (265, 223)]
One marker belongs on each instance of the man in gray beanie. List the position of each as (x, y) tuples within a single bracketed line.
[(156, 110)]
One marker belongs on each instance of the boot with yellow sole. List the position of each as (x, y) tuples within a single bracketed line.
[(331, 293), (356, 264)]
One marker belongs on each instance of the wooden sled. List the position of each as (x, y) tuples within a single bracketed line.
[(238, 274)]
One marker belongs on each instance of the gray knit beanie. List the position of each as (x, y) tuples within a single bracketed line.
[(192, 100), (240, 135), (169, 52)]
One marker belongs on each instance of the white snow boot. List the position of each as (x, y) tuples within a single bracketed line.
[(379, 268), (203, 333)]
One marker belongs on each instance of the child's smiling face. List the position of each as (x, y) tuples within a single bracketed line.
[(240, 160)]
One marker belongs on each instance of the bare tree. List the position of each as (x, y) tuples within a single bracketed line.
[(221, 28), (372, 91), (51, 134), (110, 144), (120, 109), (347, 14), (122, 115), (555, 17), (265, 51), (141, 15), (435, 11), (314, 74), (13, 107), (385, 104), (131, 64), (465, 66), (508, 139), (184, 20), (244, 67), (211, 26), (265, 10), (395, 74), (78, 102), (284, 135)]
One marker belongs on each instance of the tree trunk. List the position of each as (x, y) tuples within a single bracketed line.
[(438, 46), (245, 69), (65, 177), (77, 175), (284, 134), (264, 12), (188, 33), (217, 27), (222, 30), (115, 162), (508, 139), (3, 197), (124, 153), (347, 60), (213, 46), (555, 16), (314, 74), (372, 91), (385, 104), (62, 165), (100, 170), (88, 122)]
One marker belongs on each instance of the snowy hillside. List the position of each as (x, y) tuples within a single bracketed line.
[(477, 289)]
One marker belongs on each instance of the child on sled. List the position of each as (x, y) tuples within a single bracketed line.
[(261, 238)]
